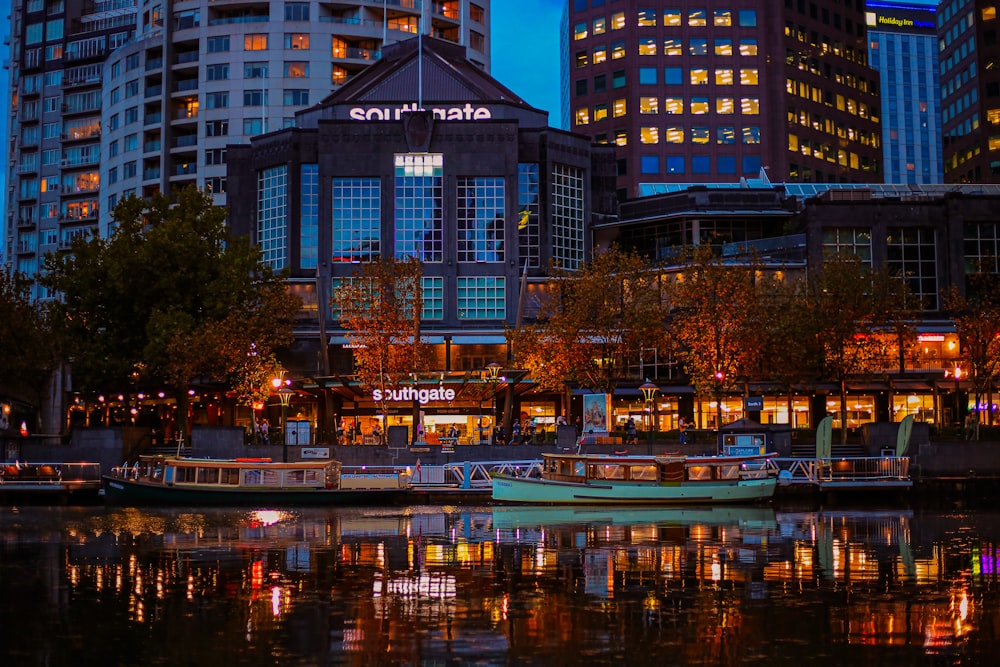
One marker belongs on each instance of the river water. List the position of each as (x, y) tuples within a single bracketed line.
[(114, 586)]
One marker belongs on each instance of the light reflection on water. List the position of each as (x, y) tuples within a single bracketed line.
[(504, 585)]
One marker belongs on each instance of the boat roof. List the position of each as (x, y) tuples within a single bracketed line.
[(261, 462)]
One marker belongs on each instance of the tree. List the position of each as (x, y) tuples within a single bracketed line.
[(977, 321), (851, 305), (169, 297), (593, 323), (31, 352), (717, 323), (380, 308)]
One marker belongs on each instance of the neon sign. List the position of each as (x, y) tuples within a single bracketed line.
[(421, 396), (466, 112)]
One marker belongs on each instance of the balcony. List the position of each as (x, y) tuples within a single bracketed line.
[(154, 63), (152, 118), (185, 141), (185, 85), (153, 91), (150, 174), (151, 146)]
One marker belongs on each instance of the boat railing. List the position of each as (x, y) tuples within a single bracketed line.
[(845, 469), (56, 473), (471, 474)]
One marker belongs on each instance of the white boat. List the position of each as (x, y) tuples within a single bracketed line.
[(654, 480)]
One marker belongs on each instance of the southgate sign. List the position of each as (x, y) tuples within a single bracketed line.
[(466, 112), (421, 396)]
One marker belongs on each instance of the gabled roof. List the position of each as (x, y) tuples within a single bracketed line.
[(427, 69)]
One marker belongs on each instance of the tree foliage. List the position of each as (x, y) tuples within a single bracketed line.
[(380, 308), (168, 298), (593, 323), (30, 351)]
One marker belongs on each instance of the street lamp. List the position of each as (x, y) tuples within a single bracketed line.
[(649, 391), (492, 378), (282, 387)]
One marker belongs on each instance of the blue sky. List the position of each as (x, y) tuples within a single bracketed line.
[(525, 50)]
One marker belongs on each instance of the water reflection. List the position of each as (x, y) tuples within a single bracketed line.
[(712, 586)]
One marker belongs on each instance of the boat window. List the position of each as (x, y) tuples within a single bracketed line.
[(207, 476), (231, 476), (185, 475), (700, 473), (302, 478), (578, 468), (260, 477), (729, 472), (613, 471), (643, 472)]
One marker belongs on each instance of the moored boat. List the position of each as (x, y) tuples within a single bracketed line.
[(81, 480), (628, 479), (182, 480)]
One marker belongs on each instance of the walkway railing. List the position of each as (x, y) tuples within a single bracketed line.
[(873, 471)]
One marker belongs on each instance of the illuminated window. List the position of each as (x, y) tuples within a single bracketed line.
[(255, 42), (748, 47), (647, 18), (723, 77), (647, 46), (750, 106), (600, 54), (725, 105), (700, 135), (697, 17), (583, 116), (673, 105), (621, 138), (748, 76), (699, 105), (674, 135), (723, 17), (699, 77), (581, 59), (618, 21), (600, 26), (793, 143), (673, 47), (649, 135), (617, 50), (600, 112), (580, 31), (672, 17), (297, 41), (618, 108), (725, 134), (649, 105), (723, 47), (296, 70), (751, 135)]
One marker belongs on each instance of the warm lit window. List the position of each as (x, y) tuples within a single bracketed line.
[(699, 77), (600, 26), (674, 135), (723, 47), (793, 143), (699, 135), (618, 108), (296, 70), (649, 135), (600, 54), (581, 59), (723, 77), (649, 105), (989, 13), (647, 18), (699, 105), (621, 138), (618, 21), (748, 47), (617, 50), (255, 42), (697, 17), (673, 47), (600, 112), (748, 76), (672, 17), (580, 31), (647, 46), (583, 116), (296, 41), (750, 106), (723, 17), (725, 105), (673, 105)]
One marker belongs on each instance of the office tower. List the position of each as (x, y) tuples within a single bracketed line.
[(147, 95), (902, 46), (970, 90), (719, 91)]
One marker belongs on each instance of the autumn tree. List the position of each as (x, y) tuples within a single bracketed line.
[(31, 352), (380, 308), (717, 323), (169, 297), (977, 322), (852, 306), (593, 323)]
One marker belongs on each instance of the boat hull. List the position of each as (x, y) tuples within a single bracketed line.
[(510, 489), (125, 491)]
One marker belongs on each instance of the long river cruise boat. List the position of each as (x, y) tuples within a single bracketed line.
[(594, 479), (195, 481)]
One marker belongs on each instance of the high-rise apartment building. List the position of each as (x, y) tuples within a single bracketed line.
[(131, 97), (718, 91), (902, 46), (970, 90)]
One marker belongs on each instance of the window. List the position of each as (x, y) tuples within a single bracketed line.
[(217, 128), (580, 31), (748, 76), (725, 106), (618, 79), (723, 17), (600, 112), (217, 100), (217, 44), (296, 11), (296, 70), (216, 185), (254, 98), (675, 164), (255, 70), (697, 17), (647, 76), (673, 46), (751, 164), (296, 97), (297, 41), (617, 50), (582, 116), (723, 77), (674, 135), (255, 42), (701, 164), (748, 47), (217, 72), (698, 47), (673, 75), (699, 135), (272, 215), (751, 134), (647, 18), (528, 228), (748, 18), (567, 207), (131, 115), (419, 195), (750, 106), (723, 47), (649, 164), (672, 17), (649, 135), (699, 105), (600, 54), (481, 298), (581, 87), (618, 108), (673, 105), (600, 83), (480, 218), (357, 219), (699, 77), (725, 134), (253, 126), (649, 105), (647, 46)]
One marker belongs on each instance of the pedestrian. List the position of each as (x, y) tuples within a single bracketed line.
[(682, 427), (631, 436), (515, 433), (265, 427)]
